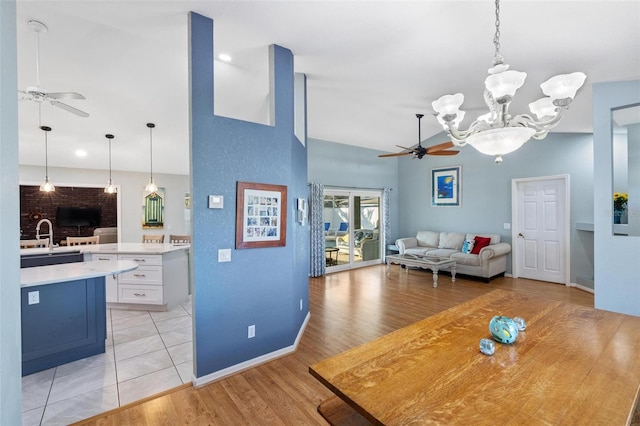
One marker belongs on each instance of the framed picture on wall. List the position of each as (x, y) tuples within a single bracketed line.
[(445, 186), (261, 215), (153, 209)]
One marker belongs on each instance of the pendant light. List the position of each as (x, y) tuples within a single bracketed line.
[(110, 188), (46, 186), (151, 186)]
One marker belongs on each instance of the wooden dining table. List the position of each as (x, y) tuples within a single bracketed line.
[(572, 365)]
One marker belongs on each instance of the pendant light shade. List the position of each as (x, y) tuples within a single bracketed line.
[(110, 188), (151, 186), (46, 185)]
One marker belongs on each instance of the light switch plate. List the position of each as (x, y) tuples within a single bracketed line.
[(216, 201), (224, 255)]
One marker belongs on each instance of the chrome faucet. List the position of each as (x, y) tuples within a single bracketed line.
[(49, 235)]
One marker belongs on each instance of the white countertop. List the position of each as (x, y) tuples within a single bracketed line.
[(115, 248), (50, 274)]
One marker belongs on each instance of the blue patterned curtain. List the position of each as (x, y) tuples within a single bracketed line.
[(386, 214), (318, 263)]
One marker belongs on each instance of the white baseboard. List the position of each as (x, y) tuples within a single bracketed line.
[(234, 369), (583, 288)]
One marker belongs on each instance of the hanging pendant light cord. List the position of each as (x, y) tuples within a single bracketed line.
[(46, 152), (109, 160), (151, 126)]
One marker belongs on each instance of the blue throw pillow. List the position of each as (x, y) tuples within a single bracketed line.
[(467, 246)]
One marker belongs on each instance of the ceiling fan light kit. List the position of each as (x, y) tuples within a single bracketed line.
[(497, 132), (41, 95)]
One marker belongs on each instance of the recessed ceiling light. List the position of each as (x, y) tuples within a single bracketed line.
[(81, 153), (224, 57)]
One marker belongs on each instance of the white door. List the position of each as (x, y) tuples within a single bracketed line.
[(541, 231)]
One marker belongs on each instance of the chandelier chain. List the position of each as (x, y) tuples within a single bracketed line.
[(497, 59)]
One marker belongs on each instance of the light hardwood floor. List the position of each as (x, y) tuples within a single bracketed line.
[(347, 309)]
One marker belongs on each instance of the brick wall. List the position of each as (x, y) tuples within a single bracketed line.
[(36, 205)]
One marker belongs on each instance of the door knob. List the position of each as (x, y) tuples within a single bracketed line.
[(520, 235)]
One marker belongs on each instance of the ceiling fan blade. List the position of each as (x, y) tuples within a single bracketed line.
[(440, 147), (65, 95), (68, 108), (397, 154), (404, 147), (443, 153)]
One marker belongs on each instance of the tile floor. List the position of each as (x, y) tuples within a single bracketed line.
[(146, 353)]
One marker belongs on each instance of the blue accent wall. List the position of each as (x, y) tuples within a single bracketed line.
[(260, 286)]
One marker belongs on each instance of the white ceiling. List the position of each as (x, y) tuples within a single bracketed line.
[(371, 66)]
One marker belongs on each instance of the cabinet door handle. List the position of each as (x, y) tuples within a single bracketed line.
[(139, 260), (139, 294), (103, 258), (139, 275)]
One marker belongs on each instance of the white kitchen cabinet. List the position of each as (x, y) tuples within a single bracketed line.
[(110, 281), (160, 282)]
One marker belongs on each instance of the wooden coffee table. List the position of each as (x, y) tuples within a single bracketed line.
[(425, 262), (573, 365)]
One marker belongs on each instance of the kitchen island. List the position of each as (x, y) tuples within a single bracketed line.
[(63, 311), (160, 282)]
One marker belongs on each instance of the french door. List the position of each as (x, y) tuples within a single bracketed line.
[(352, 220)]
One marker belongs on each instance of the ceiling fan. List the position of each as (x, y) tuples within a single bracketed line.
[(420, 151), (39, 94)]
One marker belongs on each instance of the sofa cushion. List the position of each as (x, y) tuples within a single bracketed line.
[(428, 238), (467, 246), (442, 252), (480, 243), (466, 259), (451, 240), (419, 251)]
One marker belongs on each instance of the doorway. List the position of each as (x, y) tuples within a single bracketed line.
[(352, 221), (540, 235)]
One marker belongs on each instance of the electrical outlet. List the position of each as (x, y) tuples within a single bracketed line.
[(507, 225), (34, 297), (251, 331)]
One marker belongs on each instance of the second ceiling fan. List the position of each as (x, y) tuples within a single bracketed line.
[(40, 95), (420, 151)]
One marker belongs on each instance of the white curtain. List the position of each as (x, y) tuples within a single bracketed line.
[(318, 263)]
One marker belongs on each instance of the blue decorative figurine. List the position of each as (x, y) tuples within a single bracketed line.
[(503, 329)]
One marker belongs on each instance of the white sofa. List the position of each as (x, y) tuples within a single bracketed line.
[(488, 263)]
